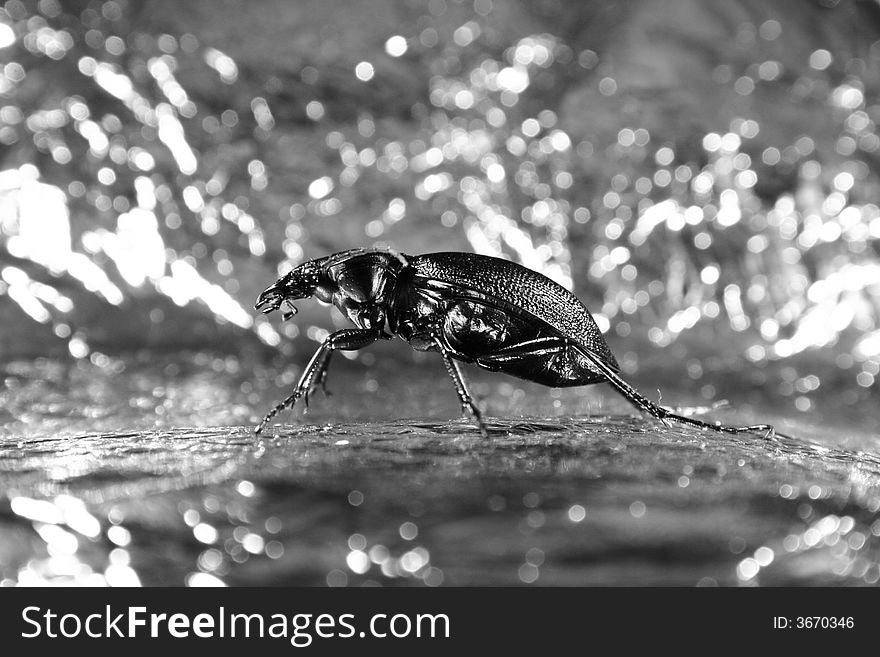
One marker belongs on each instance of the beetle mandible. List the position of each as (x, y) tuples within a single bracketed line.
[(471, 308)]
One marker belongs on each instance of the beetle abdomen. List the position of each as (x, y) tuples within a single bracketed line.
[(532, 292)]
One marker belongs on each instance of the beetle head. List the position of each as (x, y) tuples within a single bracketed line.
[(300, 283)]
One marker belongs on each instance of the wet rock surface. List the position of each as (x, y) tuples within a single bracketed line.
[(375, 485)]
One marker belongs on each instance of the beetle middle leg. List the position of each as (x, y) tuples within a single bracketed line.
[(464, 395), (315, 371)]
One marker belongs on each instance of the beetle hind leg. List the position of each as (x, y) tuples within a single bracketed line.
[(665, 415)]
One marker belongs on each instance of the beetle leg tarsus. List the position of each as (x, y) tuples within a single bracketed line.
[(478, 416), (316, 370), (484, 432), (288, 401), (660, 413)]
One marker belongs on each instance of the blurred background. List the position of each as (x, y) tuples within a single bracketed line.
[(694, 171), (704, 175)]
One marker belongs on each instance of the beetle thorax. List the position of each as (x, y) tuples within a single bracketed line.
[(363, 288)]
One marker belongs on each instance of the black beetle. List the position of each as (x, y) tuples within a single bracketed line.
[(468, 307)]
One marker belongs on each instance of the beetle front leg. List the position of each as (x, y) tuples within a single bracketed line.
[(319, 380), (315, 371), (467, 402)]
